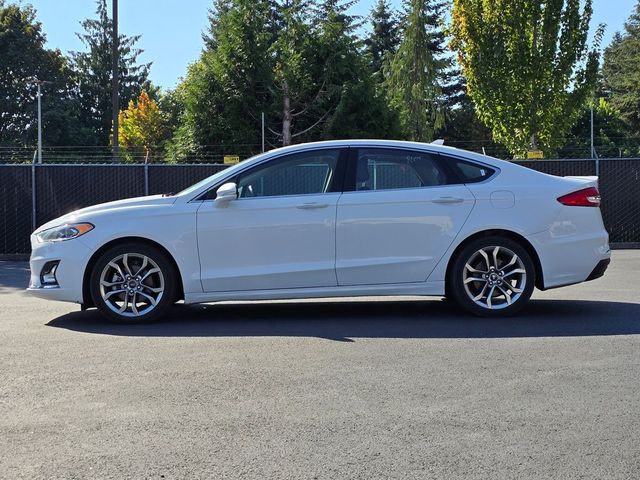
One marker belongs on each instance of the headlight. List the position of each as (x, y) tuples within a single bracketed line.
[(63, 232)]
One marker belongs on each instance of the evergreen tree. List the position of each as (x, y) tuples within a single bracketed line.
[(294, 81), (227, 88), (301, 66), (414, 74), (219, 8), (324, 10), (450, 77), (621, 72), (93, 70), (384, 37), (363, 112), (357, 106)]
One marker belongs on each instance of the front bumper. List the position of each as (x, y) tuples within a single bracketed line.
[(72, 255)]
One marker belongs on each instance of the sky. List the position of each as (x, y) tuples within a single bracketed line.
[(172, 30)]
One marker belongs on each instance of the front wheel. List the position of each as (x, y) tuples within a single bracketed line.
[(133, 283), (492, 276)]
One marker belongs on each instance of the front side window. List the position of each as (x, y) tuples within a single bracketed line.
[(381, 169), (298, 174)]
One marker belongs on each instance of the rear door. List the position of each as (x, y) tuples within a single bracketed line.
[(404, 210)]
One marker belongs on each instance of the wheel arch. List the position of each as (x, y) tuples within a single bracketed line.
[(516, 237), (86, 295)]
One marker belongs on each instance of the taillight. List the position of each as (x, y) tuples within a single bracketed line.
[(587, 197)]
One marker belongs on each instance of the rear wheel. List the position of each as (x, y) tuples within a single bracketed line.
[(492, 276), (133, 283)]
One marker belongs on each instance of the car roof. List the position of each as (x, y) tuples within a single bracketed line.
[(429, 147)]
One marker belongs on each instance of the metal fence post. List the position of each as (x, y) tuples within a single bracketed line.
[(33, 197), (146, 179)]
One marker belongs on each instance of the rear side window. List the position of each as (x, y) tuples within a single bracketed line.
[(469, 172), (386, 169)]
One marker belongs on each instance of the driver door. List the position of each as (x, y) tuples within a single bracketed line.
[(280, 231)]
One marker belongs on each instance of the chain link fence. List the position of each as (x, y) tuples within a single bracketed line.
[(576, 148), (205, 154), (31, 195)]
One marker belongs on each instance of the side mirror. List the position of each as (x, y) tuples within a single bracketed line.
[(227, 192)]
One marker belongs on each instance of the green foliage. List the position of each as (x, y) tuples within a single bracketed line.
[(611, 134), (23, 58), (93, 73), (143, 129), (528, 66), (362, 112), (355, 100), (621, 72), (414, 73), (463, 129), (219, 8), (227, 88), (292, 76), (528, 76), (298, 65), (202, 121), (384, 37)]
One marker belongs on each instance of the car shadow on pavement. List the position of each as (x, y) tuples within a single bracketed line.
[(347, 321)]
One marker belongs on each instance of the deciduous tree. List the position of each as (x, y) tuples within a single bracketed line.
[(528, 65), (144, 128)]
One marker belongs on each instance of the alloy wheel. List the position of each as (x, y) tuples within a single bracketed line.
[(132, 284), (494, 277)]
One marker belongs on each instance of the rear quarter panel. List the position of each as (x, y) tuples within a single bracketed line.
[(524, 201)]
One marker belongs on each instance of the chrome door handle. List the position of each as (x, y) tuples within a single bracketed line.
[(448, 200), (312, 205)]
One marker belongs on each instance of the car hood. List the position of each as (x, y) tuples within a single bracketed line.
[(85, 214)]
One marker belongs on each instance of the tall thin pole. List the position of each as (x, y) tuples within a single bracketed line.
[(592, 147), (39, 83), (114, 81), (262, 132)]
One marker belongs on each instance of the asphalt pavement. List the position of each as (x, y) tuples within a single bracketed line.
[(337, 389)]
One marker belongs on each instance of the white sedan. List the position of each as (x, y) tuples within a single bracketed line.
[(331, 219)]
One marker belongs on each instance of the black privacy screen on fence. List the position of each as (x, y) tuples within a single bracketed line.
[(60, 189), (619, 183), (15, 206)]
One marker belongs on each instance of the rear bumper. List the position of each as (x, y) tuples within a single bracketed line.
[(571, 259), (601, 267)]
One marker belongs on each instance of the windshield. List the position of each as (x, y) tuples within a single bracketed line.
[(217, 176)]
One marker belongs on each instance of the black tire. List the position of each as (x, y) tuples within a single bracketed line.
[(511, 292), (160, 285)]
